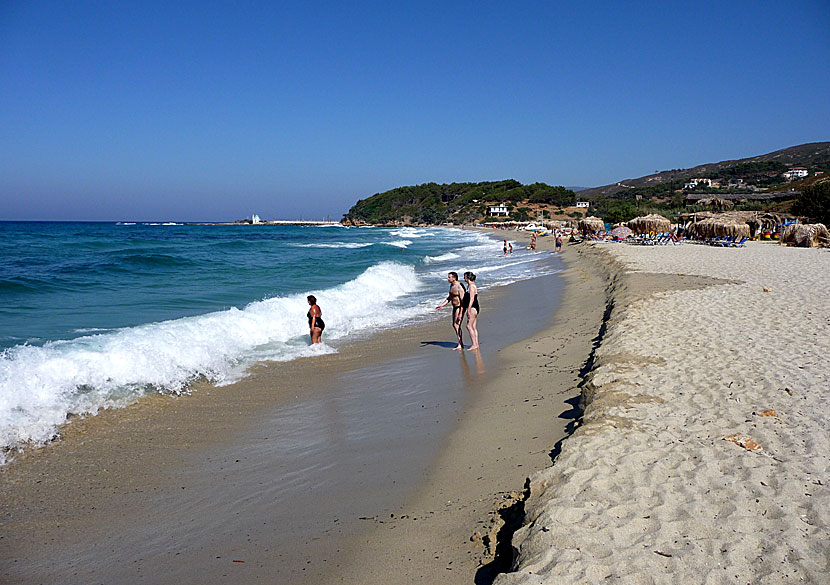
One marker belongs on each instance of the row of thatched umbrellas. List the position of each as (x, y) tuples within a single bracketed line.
[(716, 226), (646, 224), (735, 224)]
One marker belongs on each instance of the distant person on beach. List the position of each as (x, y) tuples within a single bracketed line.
[(510, 247), (533, 241), (315, 320), (454, 298), (558, 241), (469, 304), (505, 248)]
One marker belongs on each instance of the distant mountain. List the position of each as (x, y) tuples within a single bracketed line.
[(762, 168), (577, 189)]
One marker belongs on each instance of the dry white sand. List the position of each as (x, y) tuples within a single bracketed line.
[(648, 490)]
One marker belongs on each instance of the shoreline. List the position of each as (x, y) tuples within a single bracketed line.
[(457, 527), (89, 494)]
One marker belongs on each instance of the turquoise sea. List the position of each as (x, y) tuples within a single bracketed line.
[(94, 315)]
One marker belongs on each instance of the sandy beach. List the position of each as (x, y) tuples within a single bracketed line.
[(701, 455), (704, 451), (292, 472)]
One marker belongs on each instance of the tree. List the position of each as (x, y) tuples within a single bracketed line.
[(615, 210), (814, 202), (521, 214)]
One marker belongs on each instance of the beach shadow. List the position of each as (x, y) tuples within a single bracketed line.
[(449, 344), (513, 517), (572, 415)]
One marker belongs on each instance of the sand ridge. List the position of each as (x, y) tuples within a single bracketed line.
[(648, 490)]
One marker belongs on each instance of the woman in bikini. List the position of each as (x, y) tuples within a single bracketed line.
[(470, 306), (315, 320)]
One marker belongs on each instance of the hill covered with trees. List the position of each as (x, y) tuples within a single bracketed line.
[(433, 203)]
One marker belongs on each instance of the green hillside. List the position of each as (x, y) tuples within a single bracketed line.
[(433, 203)]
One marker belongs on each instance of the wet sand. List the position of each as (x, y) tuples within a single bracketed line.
[(280, 477), (457, 527)]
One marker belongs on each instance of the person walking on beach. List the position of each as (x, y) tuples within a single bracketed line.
[(315, 320), (505, 248), (510, 247), (454, 298), (469, 304), (533, 241), (558, 242)]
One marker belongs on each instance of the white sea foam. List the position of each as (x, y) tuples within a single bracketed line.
[(333, 245), (441, 258), (39, 386), (398, 243), (409, 232)]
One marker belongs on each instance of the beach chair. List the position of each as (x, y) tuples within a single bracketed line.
[(738, 244)]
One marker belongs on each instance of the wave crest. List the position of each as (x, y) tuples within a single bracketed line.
[(40, 386)]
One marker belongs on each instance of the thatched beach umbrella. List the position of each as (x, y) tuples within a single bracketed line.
[(806, 235), (650, 223), (716, 202), (719, 226), (591, 224)]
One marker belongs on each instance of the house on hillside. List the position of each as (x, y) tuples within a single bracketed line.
[(695, 183), (585, 204), (796, 173), (498, 210)]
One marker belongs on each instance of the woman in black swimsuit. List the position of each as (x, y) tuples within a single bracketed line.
[(315, 320), (470, 305)]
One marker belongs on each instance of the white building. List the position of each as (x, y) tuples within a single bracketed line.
[(796, 173), (585, 204), (255, 219), (498, 210), (695, 183)]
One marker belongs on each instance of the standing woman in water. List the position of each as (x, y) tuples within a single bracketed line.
[(470, 304), (315, 320)]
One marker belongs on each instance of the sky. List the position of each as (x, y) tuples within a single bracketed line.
[(212, 111)]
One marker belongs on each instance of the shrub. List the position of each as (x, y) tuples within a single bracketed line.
[(814, 202)]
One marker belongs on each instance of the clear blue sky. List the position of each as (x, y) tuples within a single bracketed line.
[(214, 110)]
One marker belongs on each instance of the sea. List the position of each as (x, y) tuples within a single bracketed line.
[(96, 315)]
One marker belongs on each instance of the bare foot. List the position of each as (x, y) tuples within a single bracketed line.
[(473, 347), (457, 347)]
